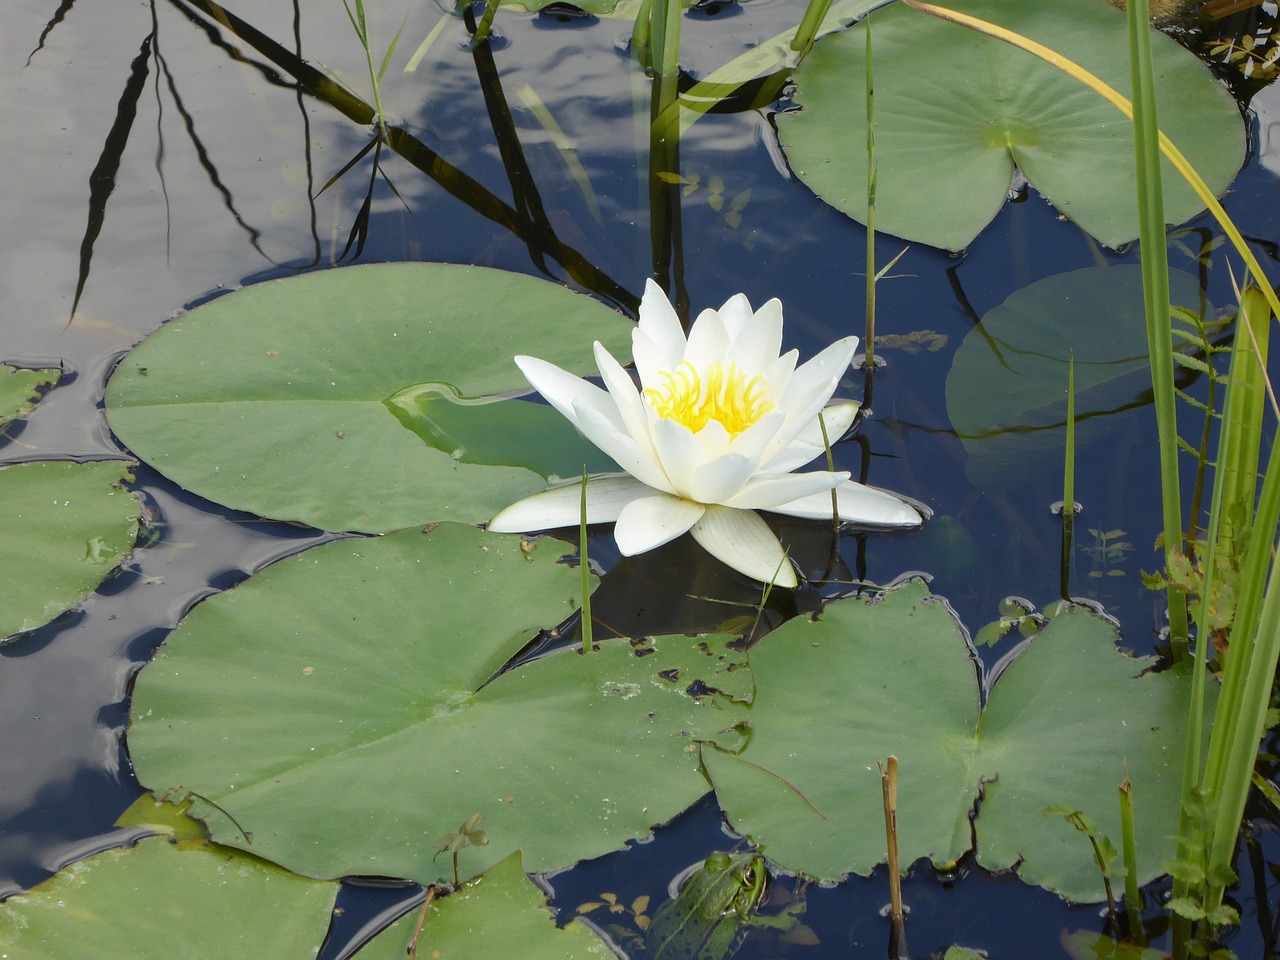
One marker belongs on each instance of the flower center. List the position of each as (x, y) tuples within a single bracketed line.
[(695, 397)]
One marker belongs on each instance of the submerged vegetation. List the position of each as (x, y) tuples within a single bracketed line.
[(361, 707)]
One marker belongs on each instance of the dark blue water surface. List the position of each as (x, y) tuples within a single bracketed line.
[(204, 158)]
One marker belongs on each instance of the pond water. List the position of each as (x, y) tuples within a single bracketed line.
[(156, 161)]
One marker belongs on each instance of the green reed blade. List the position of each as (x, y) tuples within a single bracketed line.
[(1155, 291), (386, 61), (1129, 849), (807, 31)]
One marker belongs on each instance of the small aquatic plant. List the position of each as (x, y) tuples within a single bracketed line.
[(719, 425)]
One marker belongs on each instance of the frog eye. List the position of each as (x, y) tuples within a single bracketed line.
[(748, 878)]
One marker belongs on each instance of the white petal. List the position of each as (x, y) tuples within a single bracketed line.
[(753, 441), (658, 341), (562, 506), (807, 444), (651, 521), (858, 504), (778, 373), (766, 493), (631, 408), (828, 366), (714, 440), (735, 315), (625, 450), (722, 478), (708, 340), (760, 341), (563, 390), (809, 390), (679, 453), (740, 539)]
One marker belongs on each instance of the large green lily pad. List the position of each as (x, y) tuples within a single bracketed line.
[(158, 901), (338, 713), (1007, 386), (501, 913), (957, 111), (63, 528), (273, 399), (895, 676)]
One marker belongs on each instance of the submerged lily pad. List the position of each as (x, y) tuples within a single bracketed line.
[(1007, 386), (158, 901), (956, 112), (272, 399), (63, 528), (498, 432), (18, 389), (338, 713), (501, 913), (895, 675)]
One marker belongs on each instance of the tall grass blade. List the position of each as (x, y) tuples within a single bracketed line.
[(395, 41), (807, 31), (1155, 293), (1238, 471), (1249, 663), (642, 35), (1129, 850)]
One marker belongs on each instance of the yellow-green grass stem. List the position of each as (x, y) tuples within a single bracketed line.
[(1155, 293)]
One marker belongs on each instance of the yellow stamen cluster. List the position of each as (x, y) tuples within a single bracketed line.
[(695, 398)]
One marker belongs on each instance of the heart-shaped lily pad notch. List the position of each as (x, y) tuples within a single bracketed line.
[(339, 712), (272, 399), (956, 111), (63, 528), (160, 900), (1007, 386), (894, 675), (501, 913)]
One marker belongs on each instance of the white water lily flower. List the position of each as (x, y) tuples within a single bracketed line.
[(714, 433)]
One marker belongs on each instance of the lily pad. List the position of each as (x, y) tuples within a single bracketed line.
[(18, 389), (1007, 386), (956, 112), (159, 900), (501, 913), (63, 528), (272, 399), (895, 676), (339, 712)]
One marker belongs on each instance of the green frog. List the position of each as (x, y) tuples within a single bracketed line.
[(714, 910)]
